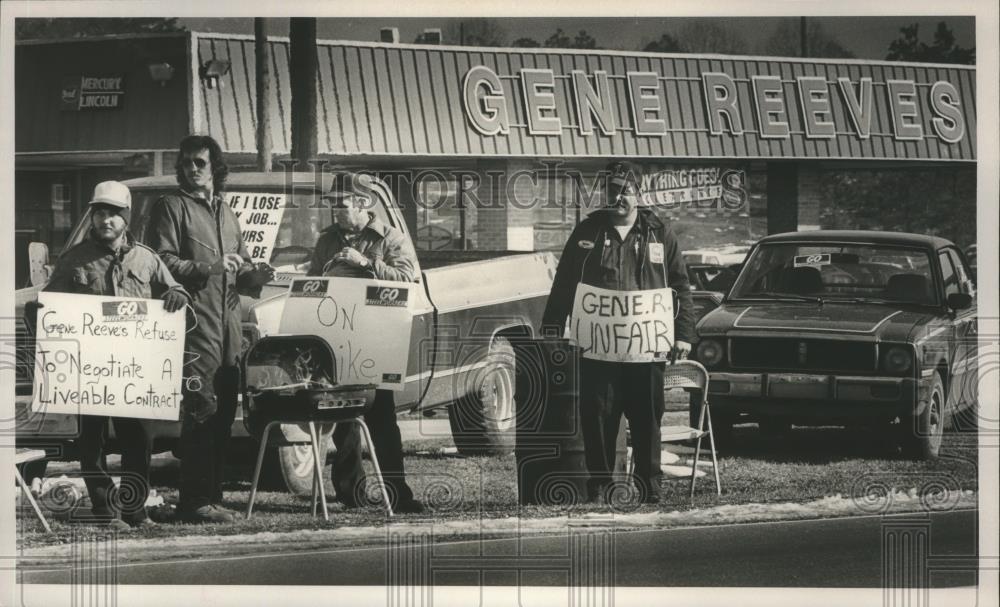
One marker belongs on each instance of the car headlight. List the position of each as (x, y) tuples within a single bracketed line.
[(897, 360), (710, 352)]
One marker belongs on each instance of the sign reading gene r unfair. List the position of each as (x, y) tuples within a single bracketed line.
[(623, 326), (115, 356)]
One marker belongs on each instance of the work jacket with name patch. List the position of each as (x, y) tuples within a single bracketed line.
[(647, 258)]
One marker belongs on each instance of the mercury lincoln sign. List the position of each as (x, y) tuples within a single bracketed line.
[(750, 103)]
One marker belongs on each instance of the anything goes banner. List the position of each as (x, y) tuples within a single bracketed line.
[(114, 356), (623, 326)]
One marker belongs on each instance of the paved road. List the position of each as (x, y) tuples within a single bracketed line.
[(843, 552)]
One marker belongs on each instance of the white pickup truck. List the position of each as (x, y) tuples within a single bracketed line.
[(469, 304)]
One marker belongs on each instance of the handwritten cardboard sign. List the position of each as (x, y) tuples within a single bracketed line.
[(366, 322), (623, 326), (260, 217), (115, 356)]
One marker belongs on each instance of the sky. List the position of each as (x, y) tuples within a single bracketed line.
[(866, 37)]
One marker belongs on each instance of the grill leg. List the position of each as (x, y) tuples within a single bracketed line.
[(31, 499), (256, 470), (318, 472), (378, 470)]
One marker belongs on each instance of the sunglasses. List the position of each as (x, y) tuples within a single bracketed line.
[(199, 163)]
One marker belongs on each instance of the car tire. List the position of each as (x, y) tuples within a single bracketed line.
[(290, 467), (31, 470), (482, 422), (921, 435)]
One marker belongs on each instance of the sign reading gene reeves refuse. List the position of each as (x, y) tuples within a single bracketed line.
[(115, 356), (623, 326), (93, 92)]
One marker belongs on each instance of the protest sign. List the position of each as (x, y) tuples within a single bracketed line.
[(366, 322), (623, 326), (259, 216), (115, 356)]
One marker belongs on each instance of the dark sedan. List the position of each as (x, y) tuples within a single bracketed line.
[(845, 327)]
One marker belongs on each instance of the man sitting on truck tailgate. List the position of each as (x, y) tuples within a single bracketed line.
[(358, 245), (110, 262)]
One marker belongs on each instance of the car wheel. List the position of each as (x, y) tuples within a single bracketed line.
[(922, 434), (290, 467), (482, 421), (32, 470)]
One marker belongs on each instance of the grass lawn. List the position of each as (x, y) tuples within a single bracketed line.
[(806, 464)]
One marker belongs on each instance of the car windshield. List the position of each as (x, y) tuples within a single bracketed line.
[(834, 271), (301, 223)]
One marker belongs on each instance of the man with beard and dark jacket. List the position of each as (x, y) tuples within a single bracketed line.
[(200, 239), (110, 262), (623, 248)]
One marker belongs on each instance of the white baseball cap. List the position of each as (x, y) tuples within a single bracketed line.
[(114, 193)]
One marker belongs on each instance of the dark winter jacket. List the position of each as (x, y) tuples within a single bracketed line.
[(190, 237), (597, 256), (391, 255)]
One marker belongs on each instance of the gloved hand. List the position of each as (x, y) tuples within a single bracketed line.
[(174, 300), (250, 281), (31, 314)]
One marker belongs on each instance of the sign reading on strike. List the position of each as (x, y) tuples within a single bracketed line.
[(260, 217), (366, 322), (623, 326), (115, 356)]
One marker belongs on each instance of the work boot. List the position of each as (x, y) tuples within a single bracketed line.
[(206, 514), (117, 524), (409, 506)]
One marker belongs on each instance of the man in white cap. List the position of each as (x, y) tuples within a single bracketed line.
[(110, 262)]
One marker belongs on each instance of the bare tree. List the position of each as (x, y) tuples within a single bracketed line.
[(666, 44), (475, 32), (785, 41), (944, 50), (702, 36)]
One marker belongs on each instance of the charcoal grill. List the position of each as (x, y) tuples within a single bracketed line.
[(291, 379)]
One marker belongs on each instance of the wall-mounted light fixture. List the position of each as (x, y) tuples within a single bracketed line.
[(212, 71), (161, 72)]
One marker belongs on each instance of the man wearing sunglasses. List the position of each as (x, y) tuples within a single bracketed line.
[(622, 247), (199, 238), (358, 245)]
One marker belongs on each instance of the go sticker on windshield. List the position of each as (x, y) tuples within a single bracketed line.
[(820, 259), (259, 215)]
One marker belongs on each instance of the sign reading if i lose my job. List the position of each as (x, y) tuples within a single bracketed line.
[(623, 326), (115, 356), (366, 322), (259, 215)]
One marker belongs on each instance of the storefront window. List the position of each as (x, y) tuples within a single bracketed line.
[(440, 222)]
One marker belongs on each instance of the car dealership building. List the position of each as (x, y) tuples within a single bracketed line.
[(490, 149)]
